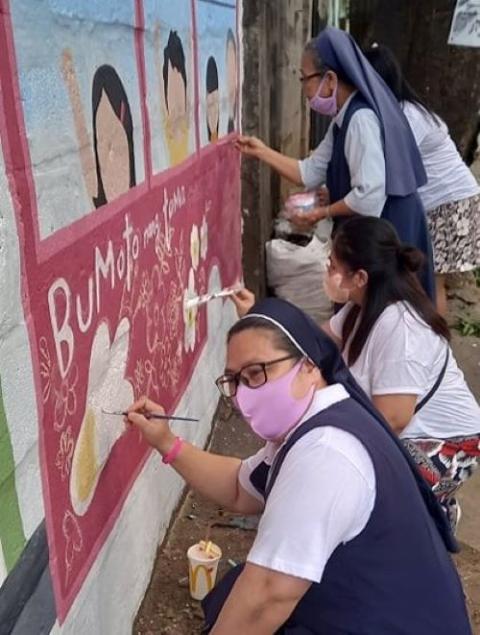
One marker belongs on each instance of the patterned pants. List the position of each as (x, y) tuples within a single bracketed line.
[(446, 464)]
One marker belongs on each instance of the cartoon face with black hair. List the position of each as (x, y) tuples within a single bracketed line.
[(212, 101), (112, 136), (107, 160), (232, 80), (176, 101)]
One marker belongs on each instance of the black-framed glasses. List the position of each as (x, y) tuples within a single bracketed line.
[(251, 375), (305, 78)]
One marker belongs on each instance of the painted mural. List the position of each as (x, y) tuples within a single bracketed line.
[(118, 127)]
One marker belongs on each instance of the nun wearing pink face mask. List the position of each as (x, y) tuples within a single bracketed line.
[(350, 534), (368, 159)]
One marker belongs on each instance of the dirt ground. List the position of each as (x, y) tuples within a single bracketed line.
[(168, 608)]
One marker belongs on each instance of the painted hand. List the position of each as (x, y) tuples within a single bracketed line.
[(250, 146), (243, 301), (156, 432), (67, 65)]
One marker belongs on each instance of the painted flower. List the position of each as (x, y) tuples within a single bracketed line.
[(173, 309), (190, 312), (195, 247), (139, 375), (152, 377), (63, 460), (146, 292), (204, 239), (46, 371), (73, 539), (65, 399), (162, 251)]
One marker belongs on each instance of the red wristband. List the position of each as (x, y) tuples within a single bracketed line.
[(172, 454)]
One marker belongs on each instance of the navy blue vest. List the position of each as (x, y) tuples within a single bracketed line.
[(396, 577), (406, 213)]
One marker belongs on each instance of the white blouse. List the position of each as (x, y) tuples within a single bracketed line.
[(323, 496), (449, 179), (403, 355)]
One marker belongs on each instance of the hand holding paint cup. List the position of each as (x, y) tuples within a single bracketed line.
[(301, 203), (203, 558)]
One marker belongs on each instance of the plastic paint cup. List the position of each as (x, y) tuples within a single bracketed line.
[(202, 569), (301, 203)]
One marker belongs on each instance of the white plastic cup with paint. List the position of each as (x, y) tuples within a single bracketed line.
[(203, 558), (301, 203)]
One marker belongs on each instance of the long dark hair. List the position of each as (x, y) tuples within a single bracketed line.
[(106, 80), (372, 245), (388, 67)]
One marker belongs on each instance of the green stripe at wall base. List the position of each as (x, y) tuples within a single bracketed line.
[(12, 537)]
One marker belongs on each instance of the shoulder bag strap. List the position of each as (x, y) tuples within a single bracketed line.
[(436, 385)]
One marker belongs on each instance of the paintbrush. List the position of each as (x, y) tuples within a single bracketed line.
[(151, 415), (203, 299)]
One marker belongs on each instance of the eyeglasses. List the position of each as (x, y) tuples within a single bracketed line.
[(305, 78), (251, 375)]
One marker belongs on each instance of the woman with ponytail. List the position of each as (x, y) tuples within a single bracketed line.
[(451, 196), (397, 347)]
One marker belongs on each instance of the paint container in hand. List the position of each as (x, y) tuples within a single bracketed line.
[(301, 203), (203, 559)]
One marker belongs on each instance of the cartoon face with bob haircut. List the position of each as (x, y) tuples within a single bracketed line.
[(176, 100), (212, 101), (232, 80)]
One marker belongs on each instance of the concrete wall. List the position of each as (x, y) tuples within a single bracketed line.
[(446, 76), (116, 128), (274, 109)]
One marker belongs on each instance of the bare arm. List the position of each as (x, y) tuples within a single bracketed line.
[(260, 602), (398, 410), (212, 475), (285, 166), (87, 159)]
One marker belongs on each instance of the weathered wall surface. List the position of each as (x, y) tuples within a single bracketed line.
[(116, 129), (447, 76), (274, 35)]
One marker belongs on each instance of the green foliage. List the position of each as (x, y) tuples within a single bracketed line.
[(476, 273), (468, 327)]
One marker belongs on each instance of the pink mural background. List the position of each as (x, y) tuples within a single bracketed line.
[(131, 262)]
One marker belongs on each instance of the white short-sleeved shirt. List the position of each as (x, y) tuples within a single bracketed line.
[(402, 355), (365, 158), (449, 179), (323, 496)]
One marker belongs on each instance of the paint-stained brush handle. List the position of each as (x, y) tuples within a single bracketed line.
[(152, 415), (157, 415)]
